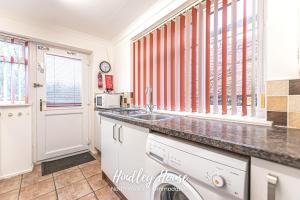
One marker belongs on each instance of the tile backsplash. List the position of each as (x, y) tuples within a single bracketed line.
[(283, 102)]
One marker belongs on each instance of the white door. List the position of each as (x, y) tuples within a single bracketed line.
[(62, 102)]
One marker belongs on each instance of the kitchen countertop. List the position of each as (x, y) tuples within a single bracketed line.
[(280, 145)]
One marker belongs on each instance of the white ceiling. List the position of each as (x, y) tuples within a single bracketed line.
[(102, 18)]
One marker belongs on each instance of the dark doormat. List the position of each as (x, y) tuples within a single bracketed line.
[(65, 163)]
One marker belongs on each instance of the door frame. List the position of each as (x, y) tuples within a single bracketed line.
[(33, 91)]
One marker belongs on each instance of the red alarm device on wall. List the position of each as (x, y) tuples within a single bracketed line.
[(109, 83), (100, 80)]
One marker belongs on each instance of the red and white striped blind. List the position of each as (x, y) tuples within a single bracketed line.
[(199, 61)]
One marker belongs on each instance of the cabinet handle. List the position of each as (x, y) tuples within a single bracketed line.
[(272, 182), (114, 132), (119, 134)]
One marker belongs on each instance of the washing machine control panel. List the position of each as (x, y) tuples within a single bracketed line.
[(217, 175), (157, 151)]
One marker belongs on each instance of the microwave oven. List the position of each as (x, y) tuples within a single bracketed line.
[(107, 100)]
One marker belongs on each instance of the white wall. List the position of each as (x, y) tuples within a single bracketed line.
[(98, 48), (282, 24), (122, 44)]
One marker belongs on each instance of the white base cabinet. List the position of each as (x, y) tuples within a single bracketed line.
[(15, 141), (123, 153), (264, 186)]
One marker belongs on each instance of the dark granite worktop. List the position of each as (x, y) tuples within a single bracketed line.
[(279, 145)]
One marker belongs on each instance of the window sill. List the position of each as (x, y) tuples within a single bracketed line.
[(14, 105), (224, 118)]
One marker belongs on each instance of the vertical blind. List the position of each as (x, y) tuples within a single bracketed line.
[(13, 70), (204, 60)]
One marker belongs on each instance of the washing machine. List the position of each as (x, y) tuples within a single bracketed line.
[(185, 171)]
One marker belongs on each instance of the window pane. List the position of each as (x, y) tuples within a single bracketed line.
[(12, 74), (63, 81), (239, 49)]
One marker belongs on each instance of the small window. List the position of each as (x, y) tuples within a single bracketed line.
[(13, 71), (63, 81)]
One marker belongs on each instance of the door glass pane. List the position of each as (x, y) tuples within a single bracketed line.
[(170, 192), (63, 81)]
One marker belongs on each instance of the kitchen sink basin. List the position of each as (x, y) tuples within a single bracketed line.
[(152, 117)]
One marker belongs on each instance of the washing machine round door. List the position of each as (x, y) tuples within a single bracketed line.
[(170, 186)]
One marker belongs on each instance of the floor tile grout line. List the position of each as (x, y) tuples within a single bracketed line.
[(55, 186), (86, 178), (91, 186), (20, 187)]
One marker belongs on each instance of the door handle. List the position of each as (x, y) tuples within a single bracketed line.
[(114, 126), (41, 105), (272, 182), (119, 134), (37, 85)]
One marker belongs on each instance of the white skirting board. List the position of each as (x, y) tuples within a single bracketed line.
[(17, 173)]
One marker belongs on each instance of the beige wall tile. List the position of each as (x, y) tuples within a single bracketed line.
[(277, 103), (294, 120), (294, 103), (277, 88)]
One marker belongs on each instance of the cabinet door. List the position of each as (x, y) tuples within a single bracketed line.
[(97, 131), (132, 155), (287, 187), (109, 148), (16, 141)]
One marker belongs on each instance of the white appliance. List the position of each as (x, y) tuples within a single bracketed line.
[(108, 100), (212, 175)]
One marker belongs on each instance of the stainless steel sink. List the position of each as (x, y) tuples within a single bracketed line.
[(152, 117)]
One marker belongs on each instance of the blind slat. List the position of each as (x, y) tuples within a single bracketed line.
[(172, 65), (215, 77), (224, 57), (207, 59), (244, 61), (182, 63), (158, 64), (201, 69), (194, 59), (233, 58)]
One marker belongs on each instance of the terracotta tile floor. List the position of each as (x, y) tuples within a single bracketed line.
[(82, 182)]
